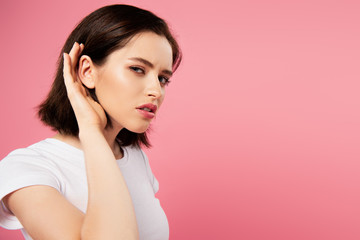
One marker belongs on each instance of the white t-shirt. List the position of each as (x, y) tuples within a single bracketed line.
[(54, 163)]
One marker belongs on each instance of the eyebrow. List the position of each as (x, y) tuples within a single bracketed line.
[(149, 64)]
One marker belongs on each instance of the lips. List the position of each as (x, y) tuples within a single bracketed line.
[(147, 110), (148, 107)]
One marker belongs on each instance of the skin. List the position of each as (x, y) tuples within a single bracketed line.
[(123, 79), (122, 84)]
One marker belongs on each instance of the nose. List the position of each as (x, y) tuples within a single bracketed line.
[(154, 88)]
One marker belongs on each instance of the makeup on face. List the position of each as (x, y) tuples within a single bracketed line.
[(131, 84)]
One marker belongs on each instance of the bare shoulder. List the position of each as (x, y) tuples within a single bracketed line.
[(45, 213)]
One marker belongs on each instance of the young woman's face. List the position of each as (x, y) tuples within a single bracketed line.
[(130, 85)]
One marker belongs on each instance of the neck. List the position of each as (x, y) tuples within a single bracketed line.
[(109, 134)]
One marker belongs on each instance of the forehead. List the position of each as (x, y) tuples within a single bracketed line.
[(147, 45)]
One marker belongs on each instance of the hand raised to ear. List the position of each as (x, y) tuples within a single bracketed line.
[(89, 114)]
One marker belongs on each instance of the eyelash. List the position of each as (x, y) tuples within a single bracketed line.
[(140, 70), (136, 69), (167, 81)]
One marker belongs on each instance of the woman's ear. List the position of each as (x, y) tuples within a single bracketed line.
[(86, 71)]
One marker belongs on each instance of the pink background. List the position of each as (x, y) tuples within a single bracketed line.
[(259, 135)]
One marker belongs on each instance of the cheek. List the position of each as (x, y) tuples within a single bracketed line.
[(160, 101), (113, 84), (118, 90), (108, 91)]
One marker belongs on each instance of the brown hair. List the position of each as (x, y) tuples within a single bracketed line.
[(102, 32)]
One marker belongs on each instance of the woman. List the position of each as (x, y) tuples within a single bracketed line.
[(92, 180)]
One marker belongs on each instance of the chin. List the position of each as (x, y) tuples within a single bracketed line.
[(132, 126), (138, 129)]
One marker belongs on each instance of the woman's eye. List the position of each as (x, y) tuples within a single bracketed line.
[(164, 80), (137, 69)]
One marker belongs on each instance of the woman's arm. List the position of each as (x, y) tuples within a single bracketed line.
[(110, 213), (46, 214), (110, 207)]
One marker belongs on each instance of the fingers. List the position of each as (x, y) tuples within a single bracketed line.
[(70, 62), (74, 54), (67, 70)]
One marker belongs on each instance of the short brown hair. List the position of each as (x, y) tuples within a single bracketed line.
[(102, 32)]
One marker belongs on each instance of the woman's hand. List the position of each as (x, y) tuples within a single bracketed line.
[(89, 114)]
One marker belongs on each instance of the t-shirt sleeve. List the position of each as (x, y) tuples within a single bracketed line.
[(23, 168), (150, 174)]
